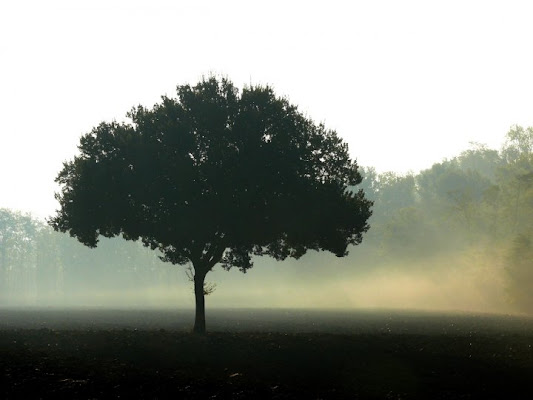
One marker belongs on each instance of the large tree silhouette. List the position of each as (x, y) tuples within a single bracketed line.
[(215, 175)]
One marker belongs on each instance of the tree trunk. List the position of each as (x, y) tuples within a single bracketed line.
[(199, 320)]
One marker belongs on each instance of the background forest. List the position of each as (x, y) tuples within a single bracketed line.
[(455, 236)]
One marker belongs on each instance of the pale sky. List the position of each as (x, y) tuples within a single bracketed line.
[(405, 83)]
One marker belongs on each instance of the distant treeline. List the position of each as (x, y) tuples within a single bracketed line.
[(478, 205), (40, 266)]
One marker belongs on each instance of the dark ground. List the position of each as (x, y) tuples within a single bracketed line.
[(264, 354)]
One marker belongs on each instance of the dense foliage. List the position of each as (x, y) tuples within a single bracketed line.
[(215, 176), (480, 202), (478, 205)]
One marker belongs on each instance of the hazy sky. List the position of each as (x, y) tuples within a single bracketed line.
[(405, 83)]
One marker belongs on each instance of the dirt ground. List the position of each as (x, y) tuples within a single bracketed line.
[(127, 363)]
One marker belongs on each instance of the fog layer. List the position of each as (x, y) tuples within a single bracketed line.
[(457, 236)]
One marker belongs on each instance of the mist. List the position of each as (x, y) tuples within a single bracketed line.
[(450, 282), (454, 237), (444, 288)]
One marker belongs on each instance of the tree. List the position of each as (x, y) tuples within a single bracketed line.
[(18, 239), (518, 144), (481, 159), (215, 176), (395, 192), (519, 267)]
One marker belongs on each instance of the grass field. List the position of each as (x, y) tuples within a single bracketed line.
[(264, 354)]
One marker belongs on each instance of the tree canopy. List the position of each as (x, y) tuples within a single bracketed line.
[(469, 216), (215, 175)]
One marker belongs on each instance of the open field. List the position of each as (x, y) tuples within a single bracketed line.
[(264, 354)]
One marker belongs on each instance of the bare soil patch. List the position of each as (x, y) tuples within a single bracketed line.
[(128, 363)]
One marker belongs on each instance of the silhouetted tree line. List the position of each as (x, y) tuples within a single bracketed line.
[(480, 202)]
